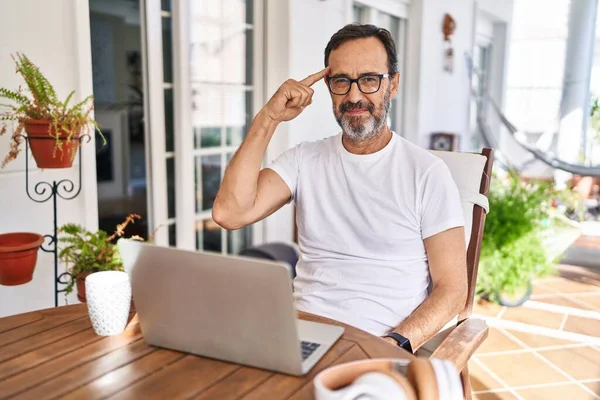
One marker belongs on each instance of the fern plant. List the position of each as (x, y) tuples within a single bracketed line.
[(88, 252), (39, 101)]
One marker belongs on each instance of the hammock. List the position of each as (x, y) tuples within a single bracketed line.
[(547, 157)]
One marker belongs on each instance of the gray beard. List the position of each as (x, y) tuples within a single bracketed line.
[(364, 132), (367, 130)]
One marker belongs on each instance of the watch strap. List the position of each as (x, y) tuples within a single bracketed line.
[(401, 340)]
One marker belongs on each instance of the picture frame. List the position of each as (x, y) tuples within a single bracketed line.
[(443, 141)]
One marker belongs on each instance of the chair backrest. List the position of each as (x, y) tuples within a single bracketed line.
[(472, 173)]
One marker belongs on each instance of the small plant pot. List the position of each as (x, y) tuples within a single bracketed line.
[(109, 301), (514, 300), (80, 283), (18, 257), (45, 147), (81, 294)]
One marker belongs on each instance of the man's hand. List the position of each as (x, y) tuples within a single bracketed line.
[(291, 98)]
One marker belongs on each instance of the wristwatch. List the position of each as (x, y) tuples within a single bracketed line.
[(401, 340)]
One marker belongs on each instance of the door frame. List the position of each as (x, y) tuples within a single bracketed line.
[(154, 126)]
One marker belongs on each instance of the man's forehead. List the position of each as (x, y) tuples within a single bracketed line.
[(359, 56)]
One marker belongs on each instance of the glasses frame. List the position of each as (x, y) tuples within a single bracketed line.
[(380, 76)]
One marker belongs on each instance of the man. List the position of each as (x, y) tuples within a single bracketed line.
[(380, 225)]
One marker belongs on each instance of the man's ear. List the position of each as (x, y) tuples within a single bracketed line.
[(395, 84)]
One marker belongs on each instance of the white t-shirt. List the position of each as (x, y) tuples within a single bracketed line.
[(361, 224)]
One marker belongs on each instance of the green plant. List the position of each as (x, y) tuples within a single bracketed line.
[(595, 112), (512, 250), (42, 103), (88, 252)]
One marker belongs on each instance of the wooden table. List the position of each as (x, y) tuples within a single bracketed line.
[(55, 353)]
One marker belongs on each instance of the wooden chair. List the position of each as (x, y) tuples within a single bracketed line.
[(459, 342)]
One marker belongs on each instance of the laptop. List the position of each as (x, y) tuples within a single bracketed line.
[(231, 308)]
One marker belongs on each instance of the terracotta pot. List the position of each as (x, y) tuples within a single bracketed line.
[(18, 256), (80, 283), (42, 142)]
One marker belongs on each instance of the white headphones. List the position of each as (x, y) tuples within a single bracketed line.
[(390, 379)]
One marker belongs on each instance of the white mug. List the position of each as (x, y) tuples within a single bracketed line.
[(108, 300)]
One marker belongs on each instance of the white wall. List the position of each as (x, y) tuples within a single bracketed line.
[(442, 98), (57, 40)]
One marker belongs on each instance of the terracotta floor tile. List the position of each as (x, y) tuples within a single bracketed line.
[(541, 288), (561, 301), (535, 340), (481, 380), (530, 316), (579, 362), (592, 300), (569, 286), (494, 396), (522, 369), (585, 326), (594, 386), (561, 392), (497, 341), (484, 307)]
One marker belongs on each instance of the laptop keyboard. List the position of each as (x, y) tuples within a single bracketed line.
[(308, 348)]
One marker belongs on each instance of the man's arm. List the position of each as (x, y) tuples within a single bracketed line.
[(448, 268), (248, 194)]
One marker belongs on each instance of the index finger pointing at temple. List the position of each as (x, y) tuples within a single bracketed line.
[(314, 78)]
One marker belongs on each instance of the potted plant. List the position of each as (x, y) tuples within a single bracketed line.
[(88, 252), (53, 127), (514, 249), (18, 257)]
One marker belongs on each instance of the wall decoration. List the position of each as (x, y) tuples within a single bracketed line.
[(443, 141), (448, 27)]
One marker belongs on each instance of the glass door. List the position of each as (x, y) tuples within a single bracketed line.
[(210, 87), (222, 36)]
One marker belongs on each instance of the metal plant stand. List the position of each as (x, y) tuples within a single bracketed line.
[(44, 191)]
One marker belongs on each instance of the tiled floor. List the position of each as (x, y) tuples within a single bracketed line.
[(549, 348)]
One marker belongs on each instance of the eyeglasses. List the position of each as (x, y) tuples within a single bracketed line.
[(367, 84)]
